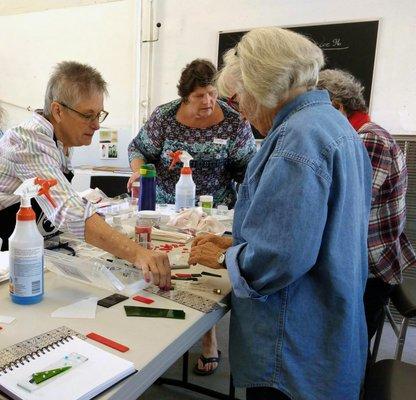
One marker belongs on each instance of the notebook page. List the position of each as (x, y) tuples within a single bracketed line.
[(101, 371)]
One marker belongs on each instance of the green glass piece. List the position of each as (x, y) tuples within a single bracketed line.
[(39, 377), (137, 311)]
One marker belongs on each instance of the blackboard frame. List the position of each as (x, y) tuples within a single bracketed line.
[(345, 58)]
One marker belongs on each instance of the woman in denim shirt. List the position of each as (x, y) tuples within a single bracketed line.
[(298, 259)]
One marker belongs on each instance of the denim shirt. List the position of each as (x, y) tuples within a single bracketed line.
[(298, 265)]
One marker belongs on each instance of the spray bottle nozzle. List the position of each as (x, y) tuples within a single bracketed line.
[(180, 155), (35, 187), (176, 157), (45, 185)]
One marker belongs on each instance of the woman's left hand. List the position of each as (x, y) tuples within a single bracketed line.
[(206, 254)]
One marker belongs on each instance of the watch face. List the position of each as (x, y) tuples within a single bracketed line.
[(221, 258)]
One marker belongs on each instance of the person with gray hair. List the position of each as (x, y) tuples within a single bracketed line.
[(42, 147), (345, 91), (389, 249), (298, 258)]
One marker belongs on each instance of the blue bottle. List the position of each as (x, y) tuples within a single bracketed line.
[(147, 199)]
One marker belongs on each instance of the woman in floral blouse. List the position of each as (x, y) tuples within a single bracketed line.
[(218, 139)]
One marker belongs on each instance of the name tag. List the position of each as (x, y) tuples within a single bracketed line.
[(222, 142)]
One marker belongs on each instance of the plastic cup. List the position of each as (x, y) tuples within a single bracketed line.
[(222, 209), (207, 203)]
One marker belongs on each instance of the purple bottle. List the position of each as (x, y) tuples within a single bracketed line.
[(147, 199)]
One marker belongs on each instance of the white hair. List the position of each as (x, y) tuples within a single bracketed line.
[(268, 63), (70, 82)]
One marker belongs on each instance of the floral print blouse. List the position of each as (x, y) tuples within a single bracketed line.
[(221, 152)]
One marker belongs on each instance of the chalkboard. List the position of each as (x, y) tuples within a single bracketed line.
[(350, 46)]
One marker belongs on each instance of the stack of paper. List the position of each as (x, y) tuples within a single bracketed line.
[(170, 236)]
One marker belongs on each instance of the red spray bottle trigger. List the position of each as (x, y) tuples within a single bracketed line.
[(45, 185), (176, 157)]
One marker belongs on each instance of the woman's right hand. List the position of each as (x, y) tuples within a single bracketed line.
[(134, 176), (154, 264), (223, 242)]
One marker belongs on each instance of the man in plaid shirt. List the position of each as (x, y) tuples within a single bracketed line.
[(389, 250)]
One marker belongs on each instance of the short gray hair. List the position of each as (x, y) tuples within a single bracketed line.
[(344, 89), (70, 82), (269, 62)]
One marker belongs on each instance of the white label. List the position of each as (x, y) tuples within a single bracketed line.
[(222, 142), (26, 270)]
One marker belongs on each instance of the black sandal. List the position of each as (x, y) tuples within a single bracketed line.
[(206, 360)]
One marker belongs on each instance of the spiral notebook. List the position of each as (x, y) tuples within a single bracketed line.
[(94, 371)]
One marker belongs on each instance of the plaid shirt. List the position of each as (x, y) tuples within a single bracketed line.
[(29, 150), (389, 250)]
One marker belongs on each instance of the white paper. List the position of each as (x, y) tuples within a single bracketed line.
[(5, 319), (85, 308)]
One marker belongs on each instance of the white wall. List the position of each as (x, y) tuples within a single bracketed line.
[(102, 35), (190, 30), (8, 7)]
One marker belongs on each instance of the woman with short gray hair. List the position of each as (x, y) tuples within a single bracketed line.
[(42, 147), (298, 261)]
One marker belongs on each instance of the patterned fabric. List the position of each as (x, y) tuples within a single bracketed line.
[(221, 152), (28, 151), (389, 249)]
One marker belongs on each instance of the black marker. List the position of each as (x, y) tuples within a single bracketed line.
[(211, 274)]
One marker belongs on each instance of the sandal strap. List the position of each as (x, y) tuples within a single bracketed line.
[(206, 360)]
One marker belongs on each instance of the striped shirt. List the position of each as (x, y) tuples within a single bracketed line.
[(389, 250), (28, 151)]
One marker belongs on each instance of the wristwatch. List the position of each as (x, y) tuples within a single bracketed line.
[(221, 259)]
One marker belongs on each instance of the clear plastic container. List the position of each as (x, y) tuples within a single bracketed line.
[(222, 209), (207, 203), (113, 276)]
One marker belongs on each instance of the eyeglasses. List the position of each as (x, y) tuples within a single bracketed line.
[(102, 115), (233, 103)]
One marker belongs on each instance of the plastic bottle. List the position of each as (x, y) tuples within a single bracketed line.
[(185, 188), (143, 229), (135, 192), (26, 245), (147, 199)]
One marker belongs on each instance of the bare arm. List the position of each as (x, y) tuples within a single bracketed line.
[(135, 165), (100, 234)]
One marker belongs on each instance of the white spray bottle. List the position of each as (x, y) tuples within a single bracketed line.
[(26, 245), (185, 188)]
